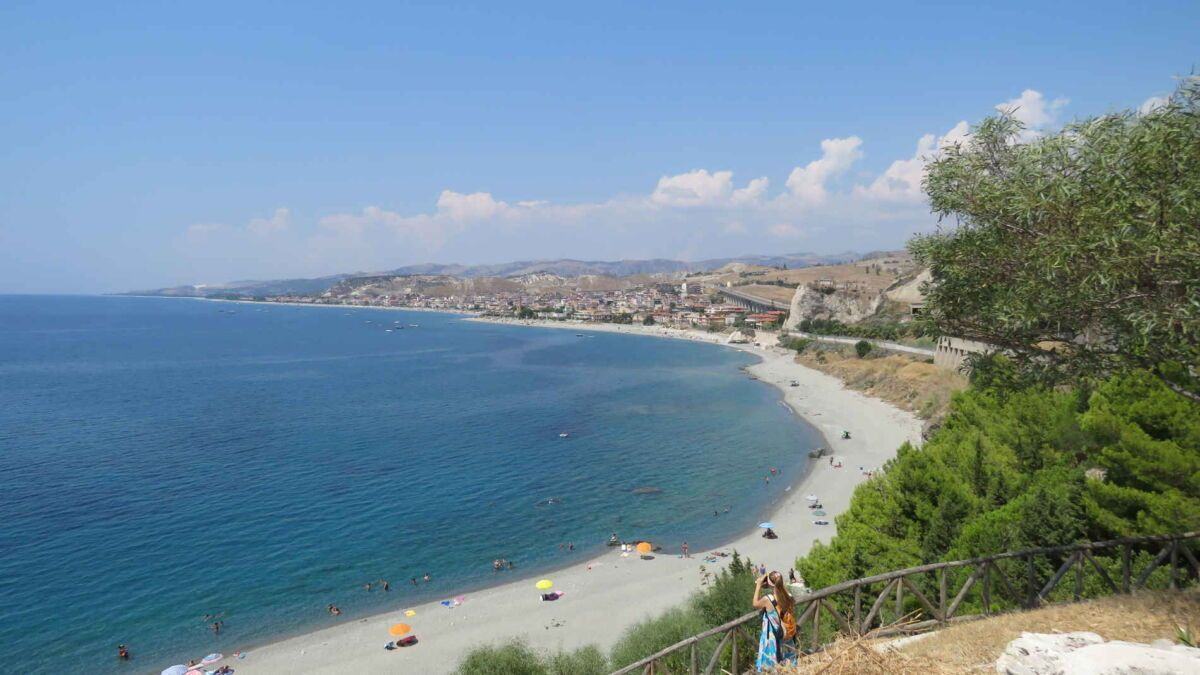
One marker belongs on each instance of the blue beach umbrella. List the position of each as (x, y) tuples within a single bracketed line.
[(767, 525)]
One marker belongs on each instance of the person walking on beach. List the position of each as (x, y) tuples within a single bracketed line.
[(685, 550), (776, 642)]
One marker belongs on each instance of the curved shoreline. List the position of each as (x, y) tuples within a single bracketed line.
[(607, 593)]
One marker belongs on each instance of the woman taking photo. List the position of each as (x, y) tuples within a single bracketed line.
[(778, 622)]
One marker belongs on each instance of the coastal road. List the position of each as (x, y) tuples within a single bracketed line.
[(880, 344)]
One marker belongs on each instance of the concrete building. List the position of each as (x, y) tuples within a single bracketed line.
[(952, 352)]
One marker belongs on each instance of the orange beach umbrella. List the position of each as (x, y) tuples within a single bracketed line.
[(399, 629), (644, 547)]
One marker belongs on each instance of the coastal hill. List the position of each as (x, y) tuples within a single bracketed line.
[(563, 267)]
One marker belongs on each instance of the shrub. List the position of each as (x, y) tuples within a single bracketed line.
[(795, 343), (517, 658), (862, 348), (583, 661), (511, 658), (649, 636)]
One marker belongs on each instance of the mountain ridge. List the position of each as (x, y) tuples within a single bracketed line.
[(563, 267)]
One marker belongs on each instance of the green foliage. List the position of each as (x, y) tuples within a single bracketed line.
[(652, 635), (1077, 253), (526, 313), (1007, 470), (862, 348), (587, 660), (868, 330), (512, 658), (726, 598), (797, 343), (648, 320), (517, 658)]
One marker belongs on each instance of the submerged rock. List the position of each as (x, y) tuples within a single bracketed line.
[(647, 490)]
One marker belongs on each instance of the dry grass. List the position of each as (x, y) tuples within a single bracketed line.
[(904, 381), (858, 656), (974, 647)]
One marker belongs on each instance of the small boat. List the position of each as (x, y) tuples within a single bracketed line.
[(563, 435), (795, 383), (414, 325), (387, 330)]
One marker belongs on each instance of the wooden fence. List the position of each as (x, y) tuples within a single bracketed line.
[(921, 598)]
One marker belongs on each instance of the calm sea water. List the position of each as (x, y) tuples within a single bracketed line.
[(165, 459)]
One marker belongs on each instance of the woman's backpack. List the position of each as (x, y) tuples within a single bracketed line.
[(786, 619)]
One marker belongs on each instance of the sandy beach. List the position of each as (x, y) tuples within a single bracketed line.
[(605, 595)]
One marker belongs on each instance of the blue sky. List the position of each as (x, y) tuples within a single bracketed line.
[(149, 145)]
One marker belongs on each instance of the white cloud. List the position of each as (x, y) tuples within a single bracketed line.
[(1153, 103), (1033, 110), (902, 180), (701, 212), (754, 191), (469, 207), (201, 231), (694, 188), (279, 222), (785, 231), (808, 183)]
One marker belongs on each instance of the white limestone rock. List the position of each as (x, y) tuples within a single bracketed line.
[(1131, 658), (1040, 653), (1088, 654)]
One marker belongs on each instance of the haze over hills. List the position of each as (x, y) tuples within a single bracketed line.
[(563, 267)]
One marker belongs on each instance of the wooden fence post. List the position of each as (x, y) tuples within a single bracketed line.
[(1078, 576), (1126, 567), (857, 608), (942, 594), (1030, 583), (986, 593)]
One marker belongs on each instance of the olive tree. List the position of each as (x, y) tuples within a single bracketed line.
[(1076, 253)]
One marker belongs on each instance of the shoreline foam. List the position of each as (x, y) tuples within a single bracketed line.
[(608, 593)]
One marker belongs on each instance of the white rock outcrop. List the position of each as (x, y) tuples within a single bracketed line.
[(1088, 654)]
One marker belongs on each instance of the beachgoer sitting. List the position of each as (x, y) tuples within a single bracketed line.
[(770, 534), (845, 434), (613, 539), (551, 597)]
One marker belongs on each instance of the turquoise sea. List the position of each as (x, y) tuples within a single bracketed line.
[(164, 459)]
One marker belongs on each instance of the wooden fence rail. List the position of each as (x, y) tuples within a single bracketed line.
[(929, 596)]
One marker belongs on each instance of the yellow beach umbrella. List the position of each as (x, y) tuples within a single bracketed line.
[(399, 629), (544, 585), (644, 547), (411, 612)]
